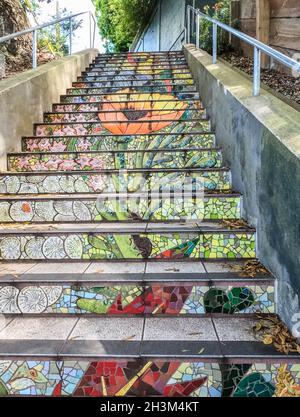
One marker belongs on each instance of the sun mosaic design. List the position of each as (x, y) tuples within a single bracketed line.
[(141, 378), (118, 113), (136, 299), (128, 95), (88, 246), (121, 128)]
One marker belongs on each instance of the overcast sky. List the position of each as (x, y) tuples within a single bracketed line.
[(81, 37)]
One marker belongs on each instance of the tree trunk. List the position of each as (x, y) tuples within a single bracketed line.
[(18, 51)]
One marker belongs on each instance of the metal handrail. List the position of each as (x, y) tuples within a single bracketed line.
[(259, 47), (34, 30)]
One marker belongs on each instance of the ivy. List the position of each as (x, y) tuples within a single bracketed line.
[(120, 20)]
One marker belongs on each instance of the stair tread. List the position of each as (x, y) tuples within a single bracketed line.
[(93, 196), (172, 150), (183, 134), (117, 227), (199, 337), (78, 172), (188, 270)]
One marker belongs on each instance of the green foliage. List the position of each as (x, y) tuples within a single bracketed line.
[(120, 20), (54, 39), (220, 11)]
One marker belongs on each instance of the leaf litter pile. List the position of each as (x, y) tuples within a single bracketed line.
[(271, 331)]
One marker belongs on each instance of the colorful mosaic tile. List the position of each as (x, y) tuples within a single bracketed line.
[(144, 106), (101, 182), (121, 160), (117, 115), (132, 299), (166, 76), (137, 208), (123, 128), (233, 245), (133, 83), (129, 95), (154, 73), (109, 142), (142, 378), (162, 88)]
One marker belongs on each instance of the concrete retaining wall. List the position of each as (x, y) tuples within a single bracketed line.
[(24, 98), (260, 137)]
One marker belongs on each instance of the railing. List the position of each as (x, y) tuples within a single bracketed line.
[(258, 46), (34, 30)]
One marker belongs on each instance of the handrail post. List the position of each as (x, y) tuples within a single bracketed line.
[(256, 72), (94, 34), (71, 35), (90, 26), (188, 25), (198, 31), (215, 43), (34, 49)]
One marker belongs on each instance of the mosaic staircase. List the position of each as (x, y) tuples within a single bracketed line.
[(122, 255)]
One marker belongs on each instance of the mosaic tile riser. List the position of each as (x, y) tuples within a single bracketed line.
[(87, 246), (136, 299), (138, 208), (130, 182), (146, 378)]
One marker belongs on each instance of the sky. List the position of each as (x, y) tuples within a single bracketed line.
[(81, 38)]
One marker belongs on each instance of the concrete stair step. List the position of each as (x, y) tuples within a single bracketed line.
[(131, 181), (134, 83), (136, 72), (118, 113), (140, 54), (128, 95), (122, 127), (72, 337), (169, 64), (82, 241), (114, 142), (166, 89), (146, 60), (111, 356), (103, 160), (105, 208), (134, 288), (92, 77), (128, 105)]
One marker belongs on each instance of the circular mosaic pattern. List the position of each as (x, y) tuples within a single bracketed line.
[(53, 248), (32, 300)]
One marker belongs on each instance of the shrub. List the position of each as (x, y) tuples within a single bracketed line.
[(220, 11), (120, 20)]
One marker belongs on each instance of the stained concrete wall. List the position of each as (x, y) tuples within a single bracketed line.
[(260, 137), (24, 98), (164, 28)]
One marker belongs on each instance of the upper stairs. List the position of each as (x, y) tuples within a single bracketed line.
[(126, 265)]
